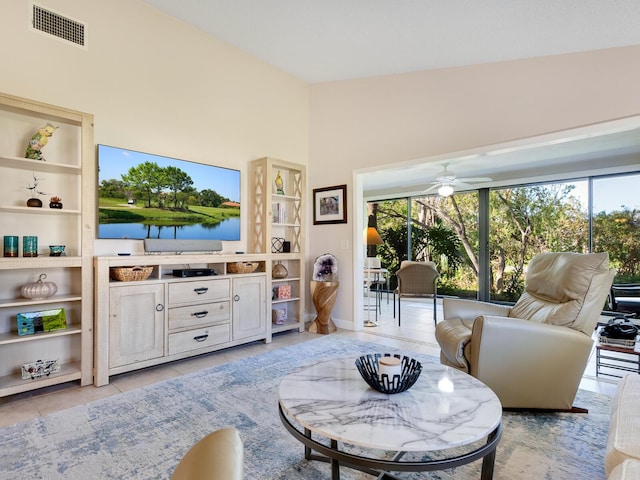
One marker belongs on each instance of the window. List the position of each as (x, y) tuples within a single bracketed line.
[(443, 230), (528, 220), (616, 223), (523, 220)]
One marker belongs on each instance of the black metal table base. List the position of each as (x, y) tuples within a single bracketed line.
[(381, 468)]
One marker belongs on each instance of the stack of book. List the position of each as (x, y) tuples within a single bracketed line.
[(279, 213)]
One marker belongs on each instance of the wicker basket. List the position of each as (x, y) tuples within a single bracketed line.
[(242, 267), (130, 274)]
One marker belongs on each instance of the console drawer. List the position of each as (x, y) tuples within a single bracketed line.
[(199, 338), (200, 291), (196, 315)]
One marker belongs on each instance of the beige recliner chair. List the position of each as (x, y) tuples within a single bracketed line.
[(533, 354), (218, 456)]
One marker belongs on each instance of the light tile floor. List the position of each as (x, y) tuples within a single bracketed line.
[(418, 326), (416, 334)]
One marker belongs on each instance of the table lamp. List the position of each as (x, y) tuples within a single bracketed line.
[(372, 237)]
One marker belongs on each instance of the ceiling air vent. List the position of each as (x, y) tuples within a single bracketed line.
[(57, 25)]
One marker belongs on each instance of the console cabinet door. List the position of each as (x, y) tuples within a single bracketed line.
[(136, 330), (249, 306)]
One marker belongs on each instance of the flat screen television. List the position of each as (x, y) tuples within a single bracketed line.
[(141, 195)]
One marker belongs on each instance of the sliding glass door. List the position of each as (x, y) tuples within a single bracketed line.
[(616, 223), (592, 214), (527, 220), (440, 229)]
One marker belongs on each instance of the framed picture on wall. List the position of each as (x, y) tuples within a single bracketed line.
[(329, 205)]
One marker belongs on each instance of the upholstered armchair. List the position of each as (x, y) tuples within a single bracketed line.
[(532, 354), (219, 455), (416, 279)]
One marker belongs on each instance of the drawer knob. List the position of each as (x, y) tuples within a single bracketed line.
[(159, 307), (236, 298), (201, 290), (201, 338), (202, 314)]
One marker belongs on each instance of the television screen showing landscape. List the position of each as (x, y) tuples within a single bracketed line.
[(141, 195)]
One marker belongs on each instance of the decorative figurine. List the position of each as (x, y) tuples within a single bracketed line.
[(325, 268), (279, 184), (34, 201), (39, 140), (324, 291)]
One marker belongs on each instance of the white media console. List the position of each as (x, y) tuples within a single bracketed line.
[(165, 317)]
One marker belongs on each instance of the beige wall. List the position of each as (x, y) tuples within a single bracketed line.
[(385, 120), (159, 86), (156, 85)]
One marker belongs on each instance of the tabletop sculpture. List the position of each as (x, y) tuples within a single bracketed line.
[(324, 290), (39, 140), (279, 184)]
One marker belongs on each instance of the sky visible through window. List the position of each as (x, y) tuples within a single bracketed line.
[(611, 193)]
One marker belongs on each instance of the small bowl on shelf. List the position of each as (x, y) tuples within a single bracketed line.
[(56, 251), (389, 373)]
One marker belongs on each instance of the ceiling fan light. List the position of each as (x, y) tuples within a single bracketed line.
[(445, 190)]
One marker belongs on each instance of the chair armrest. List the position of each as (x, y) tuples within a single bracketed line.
[(549, 361), (219, 455), (468, 310)]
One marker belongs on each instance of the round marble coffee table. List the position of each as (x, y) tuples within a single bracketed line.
[(443, 410)]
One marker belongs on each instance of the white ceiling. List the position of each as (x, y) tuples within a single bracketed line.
[(332, 40), (600, 149), (327, 40)]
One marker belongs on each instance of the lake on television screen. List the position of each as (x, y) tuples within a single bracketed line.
[(228, 229)]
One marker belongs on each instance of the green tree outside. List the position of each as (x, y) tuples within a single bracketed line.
[(524, 221)]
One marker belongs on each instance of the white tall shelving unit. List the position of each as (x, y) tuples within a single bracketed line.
[(278, 215), (69, 172)]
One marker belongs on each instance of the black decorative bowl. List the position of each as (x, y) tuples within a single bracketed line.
[(368, 367)]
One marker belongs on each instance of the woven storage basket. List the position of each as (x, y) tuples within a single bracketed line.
[(130, 274), (242, 267)]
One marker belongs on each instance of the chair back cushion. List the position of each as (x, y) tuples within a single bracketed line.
[(373, 262), (417, 278), (566, 288)]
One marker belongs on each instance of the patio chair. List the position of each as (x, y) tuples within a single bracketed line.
[(416, 279)]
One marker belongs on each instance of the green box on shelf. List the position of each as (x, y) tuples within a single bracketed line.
[(30, 323)]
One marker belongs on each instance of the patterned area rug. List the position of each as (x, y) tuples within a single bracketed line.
[(142, 434)]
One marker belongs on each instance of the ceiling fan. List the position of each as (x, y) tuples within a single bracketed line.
[(446, 182)]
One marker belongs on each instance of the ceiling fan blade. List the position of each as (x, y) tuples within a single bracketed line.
[(446, 179), (458, 185), (474, 179), (432, 188)]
